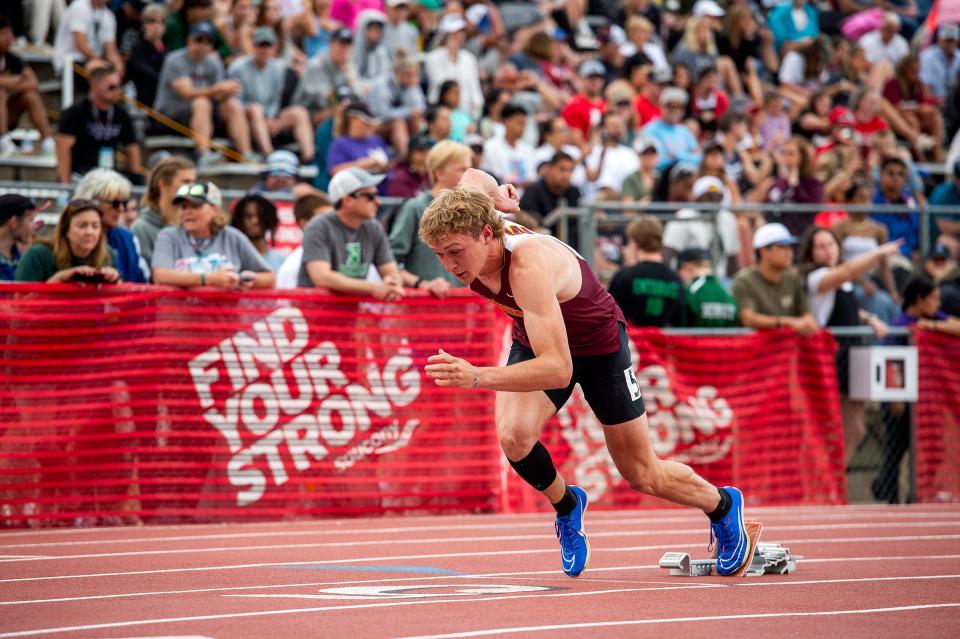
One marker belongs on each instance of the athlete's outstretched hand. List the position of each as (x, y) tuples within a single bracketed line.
[(447, 370)]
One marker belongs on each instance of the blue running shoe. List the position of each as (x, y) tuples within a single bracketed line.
[(729, 536), (574, 549)]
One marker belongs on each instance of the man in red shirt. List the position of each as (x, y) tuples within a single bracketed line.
[(647, 102), (584, 111)]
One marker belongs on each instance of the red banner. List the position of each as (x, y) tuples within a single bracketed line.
[(150, 404), (759, 411), (938, 417)]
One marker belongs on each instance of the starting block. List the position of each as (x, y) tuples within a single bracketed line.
[(767, 559)]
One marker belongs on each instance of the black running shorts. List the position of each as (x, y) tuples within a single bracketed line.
[(608, 382)]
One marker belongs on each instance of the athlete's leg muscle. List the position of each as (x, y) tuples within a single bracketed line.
[(519, 419), (632, 452)]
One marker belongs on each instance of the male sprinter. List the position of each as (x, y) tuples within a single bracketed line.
[(568, 330)]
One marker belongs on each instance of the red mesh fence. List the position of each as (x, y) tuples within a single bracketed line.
[(159, 405), (938, 417)]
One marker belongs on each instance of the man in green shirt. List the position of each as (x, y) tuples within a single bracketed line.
[(708, 302), (771, 294), (447, 161)]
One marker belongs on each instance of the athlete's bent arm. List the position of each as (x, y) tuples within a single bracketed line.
[(552, 367)]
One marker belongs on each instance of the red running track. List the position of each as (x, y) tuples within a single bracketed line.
[(867, 572)]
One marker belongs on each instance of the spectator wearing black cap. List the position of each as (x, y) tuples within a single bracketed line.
[(409, 177), (262, 78), (325, 75), (17, 215), (586, 109), (709, 304), (347, 251), (509, 156), (193, 89), (359, 146), (19, 93), (648, 292), (92, 131), (946, 228), (398, 101)]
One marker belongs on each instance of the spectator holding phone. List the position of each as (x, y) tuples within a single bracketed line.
[(76, 252), (203, 250)]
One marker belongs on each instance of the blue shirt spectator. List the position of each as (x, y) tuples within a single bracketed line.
[(947, 194), (940, 63), (891, 189), (792, 22), (128, 260), (674, 141)]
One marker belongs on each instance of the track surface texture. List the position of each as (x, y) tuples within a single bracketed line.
[(866, 572)]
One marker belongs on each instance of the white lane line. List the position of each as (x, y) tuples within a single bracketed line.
[(16, 557), (494, 553), (528, 574), (452, 540), (638, 622), (263, 613), (544, 524), (487, 521)]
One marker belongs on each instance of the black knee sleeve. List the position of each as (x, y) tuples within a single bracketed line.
[(536, 468)]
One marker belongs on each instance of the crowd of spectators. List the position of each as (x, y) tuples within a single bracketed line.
[(703, 104)]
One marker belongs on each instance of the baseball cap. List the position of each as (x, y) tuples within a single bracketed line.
[(938, 252), (202, 30), (13, 204), (398, 3), (283, 162), (421, 142), (362, 110), (948, 32), (342, 34), (841, 115), (707, 184), (592, 68), (451, 23), (707, 8), (199, 193), (473, 140), (772, 233), (350, 181), (264, 35), (695, 254), (643, 146), (662, 75), (674, 94), (344, 93)]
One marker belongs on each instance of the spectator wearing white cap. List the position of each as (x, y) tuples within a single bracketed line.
[(281, 173), (452, 62), (885, 43), (203, 250), (262, 78), (586, 108), (347, 251), (771, 294), (940, 63), (675, 142)]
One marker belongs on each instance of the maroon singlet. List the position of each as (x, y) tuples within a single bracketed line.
[(590, 318)]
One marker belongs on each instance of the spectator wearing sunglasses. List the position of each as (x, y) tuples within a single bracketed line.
[(112, 193), (92, 131), (76, 252), (203, 250), (347, 251)]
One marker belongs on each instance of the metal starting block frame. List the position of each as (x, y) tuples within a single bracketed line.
[(768, 559)]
